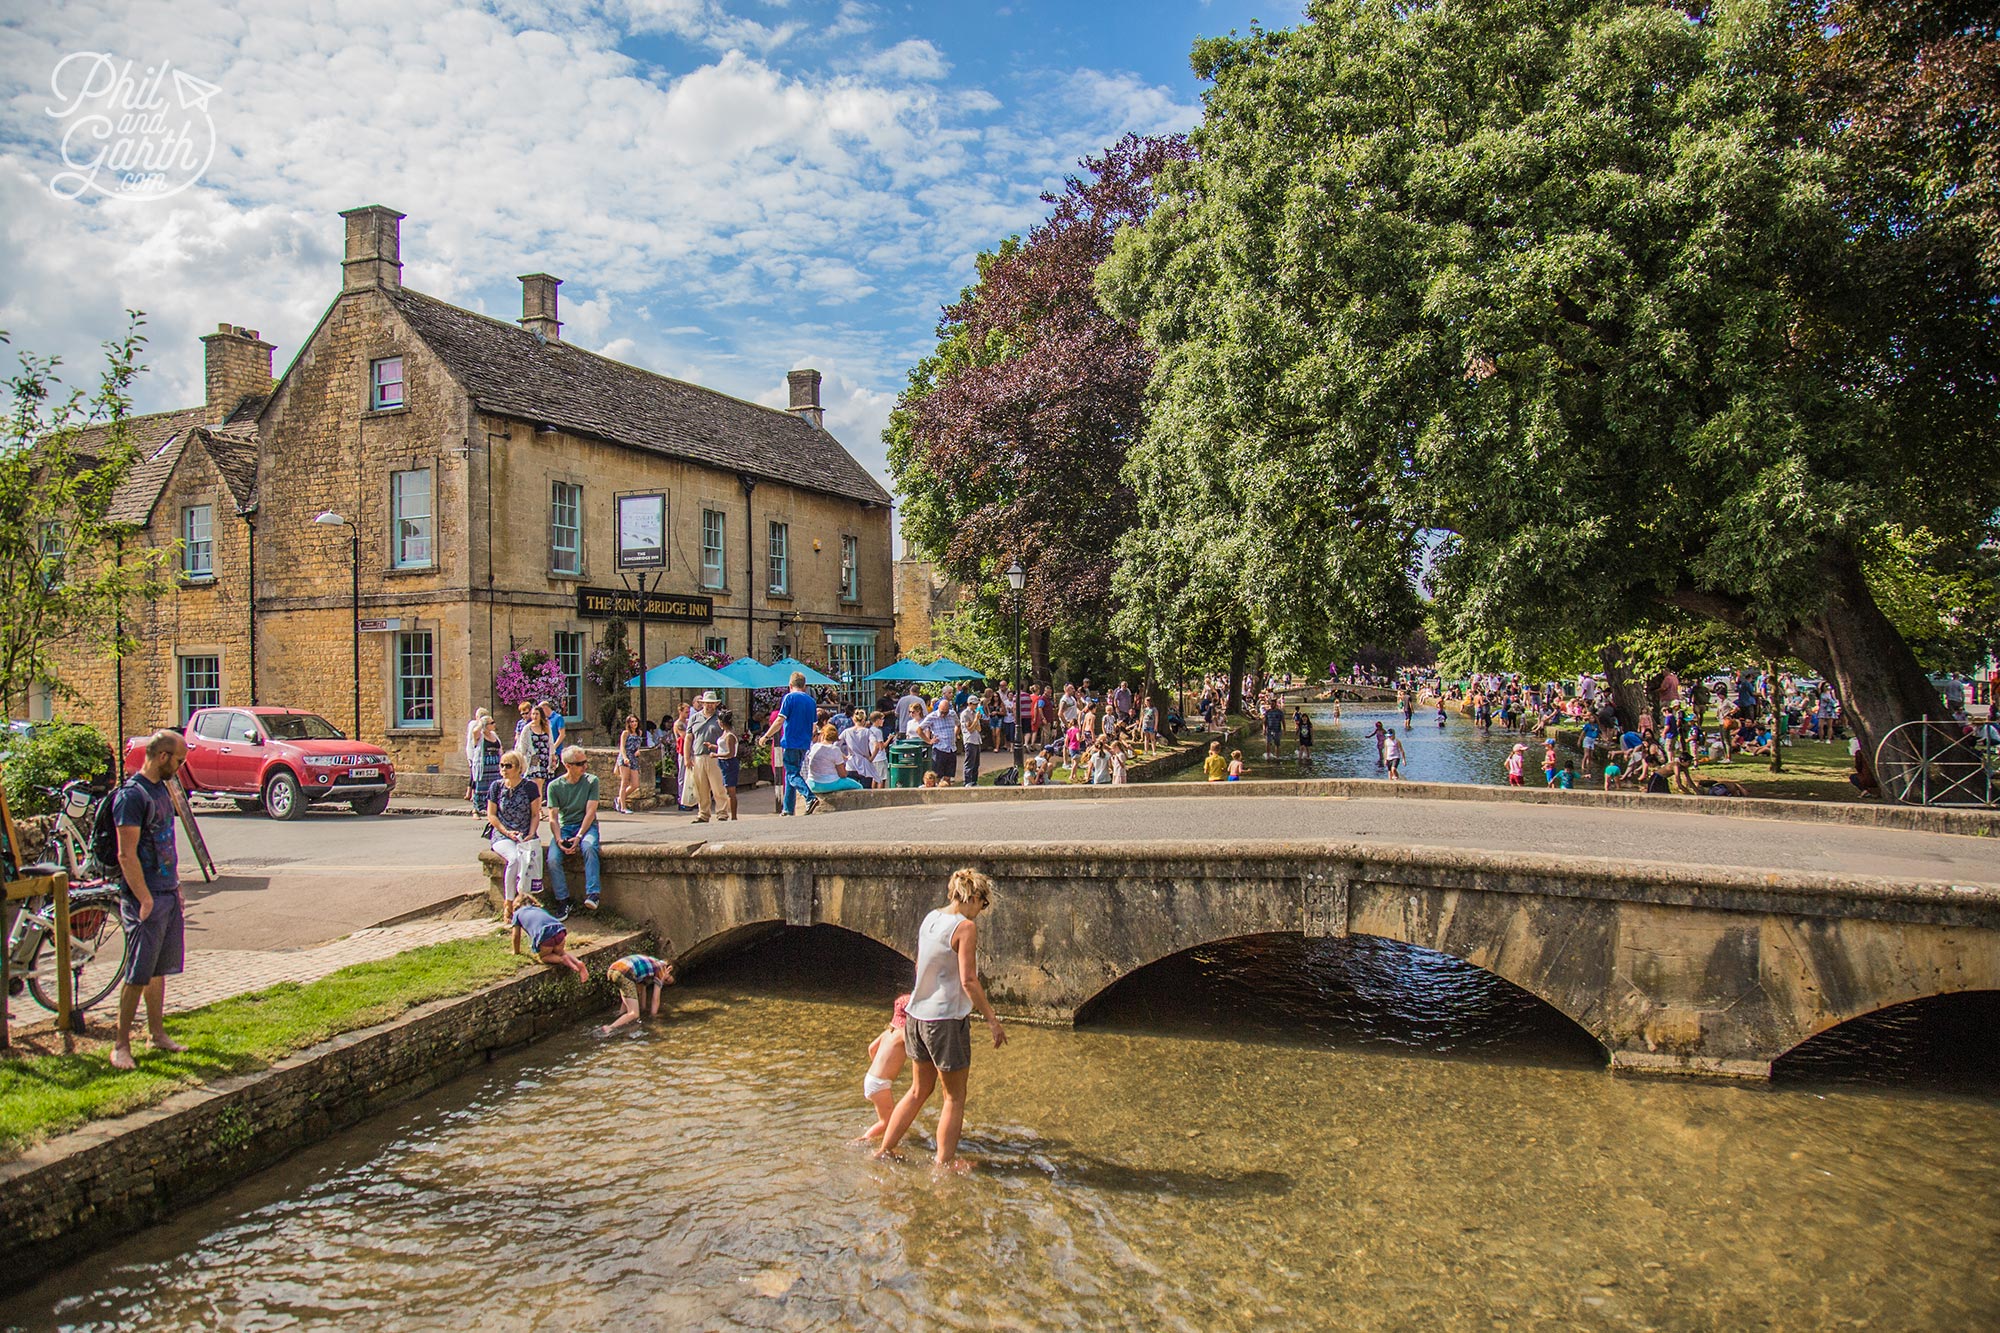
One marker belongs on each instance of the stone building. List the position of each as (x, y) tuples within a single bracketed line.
[(924, 596), (458, 476)]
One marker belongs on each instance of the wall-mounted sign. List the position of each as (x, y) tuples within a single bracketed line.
[(378, 626), (681, 608), (642, 532)]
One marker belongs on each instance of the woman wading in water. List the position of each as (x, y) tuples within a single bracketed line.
[(938, 1034)]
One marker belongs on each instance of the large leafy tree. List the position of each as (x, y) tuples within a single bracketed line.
[(65, 572), (1010, 441), (1584, 291)]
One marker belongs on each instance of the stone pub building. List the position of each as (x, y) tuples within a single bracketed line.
[(468, 471)]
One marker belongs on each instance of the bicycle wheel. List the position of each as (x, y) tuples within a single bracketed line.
[(96, 957)]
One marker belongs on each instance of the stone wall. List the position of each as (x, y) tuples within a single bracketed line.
[(1971, 823), (64, 1198)]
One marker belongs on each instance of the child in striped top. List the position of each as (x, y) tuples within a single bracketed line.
[(637, 976)]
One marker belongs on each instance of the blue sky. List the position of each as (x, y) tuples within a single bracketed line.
[(729, 188)]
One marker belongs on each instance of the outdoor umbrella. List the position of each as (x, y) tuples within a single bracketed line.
[(946, 669), (785, 666), (750, 674), (684, 673), (904, 669)]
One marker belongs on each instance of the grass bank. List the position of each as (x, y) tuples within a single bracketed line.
[(44, 1095)]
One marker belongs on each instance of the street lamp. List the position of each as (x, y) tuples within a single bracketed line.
[(1017, 579), (333, 520)]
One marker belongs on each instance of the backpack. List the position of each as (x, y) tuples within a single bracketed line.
[(104, 834)]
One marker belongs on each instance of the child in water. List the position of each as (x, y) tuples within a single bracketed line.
[(1440, 712), (886, 1057), (548, 937), (637, 975), (1215, 767), (1236, 766)]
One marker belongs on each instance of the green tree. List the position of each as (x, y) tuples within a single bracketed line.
[(1582, 292), (65, 573)]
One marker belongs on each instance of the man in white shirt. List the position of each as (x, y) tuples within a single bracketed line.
[(1070, 707), (861, 741), (942, 729), (970, 728)]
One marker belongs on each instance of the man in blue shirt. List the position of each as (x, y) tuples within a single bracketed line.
[(150, 901), (792, 731)]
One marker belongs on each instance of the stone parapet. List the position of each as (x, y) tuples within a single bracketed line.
[(1973, 823)]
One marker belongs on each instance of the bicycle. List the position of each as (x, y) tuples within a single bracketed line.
[(96, 946), (69, 836)]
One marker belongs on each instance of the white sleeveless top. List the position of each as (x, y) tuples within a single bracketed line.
[(938, 994)]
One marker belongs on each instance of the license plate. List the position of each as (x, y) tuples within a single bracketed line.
[(364, 772)]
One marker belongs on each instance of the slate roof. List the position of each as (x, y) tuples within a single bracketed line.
[(515, 373), (158, 437), (162, 438)]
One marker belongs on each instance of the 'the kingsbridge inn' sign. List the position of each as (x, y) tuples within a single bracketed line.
[(603, 603)]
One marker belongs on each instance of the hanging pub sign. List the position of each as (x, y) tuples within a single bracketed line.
[(679, 608), (642, 532)]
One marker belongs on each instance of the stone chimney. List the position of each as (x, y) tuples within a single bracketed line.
[(538, 306), (805, 396), (238, 365), (374, 250)]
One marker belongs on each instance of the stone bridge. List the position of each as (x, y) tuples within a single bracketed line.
[(1675, 969)]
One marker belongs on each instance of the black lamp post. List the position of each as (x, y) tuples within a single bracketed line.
[(1017, 579), (333, 520)]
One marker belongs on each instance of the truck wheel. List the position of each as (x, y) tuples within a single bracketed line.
[(282, 797), (372, 805)]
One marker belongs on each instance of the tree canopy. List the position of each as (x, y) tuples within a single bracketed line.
[(1598, 298), (64, 573)]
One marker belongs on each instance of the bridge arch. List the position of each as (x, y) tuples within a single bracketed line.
[(1359, 990), (1947, 1037)]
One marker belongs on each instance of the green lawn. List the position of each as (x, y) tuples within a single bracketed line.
[(43, 1095)]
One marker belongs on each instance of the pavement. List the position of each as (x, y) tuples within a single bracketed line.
[(1661, 838)]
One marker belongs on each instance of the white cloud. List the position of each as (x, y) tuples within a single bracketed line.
[(717, 222), (912, 59)]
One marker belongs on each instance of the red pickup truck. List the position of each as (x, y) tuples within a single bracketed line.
[(280, 759)]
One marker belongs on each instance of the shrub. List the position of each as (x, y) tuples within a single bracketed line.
[(56, 753)]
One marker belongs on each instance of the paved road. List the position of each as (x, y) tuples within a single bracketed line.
[(1641, 836)]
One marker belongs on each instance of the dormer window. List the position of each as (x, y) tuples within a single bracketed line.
[(385, 380)]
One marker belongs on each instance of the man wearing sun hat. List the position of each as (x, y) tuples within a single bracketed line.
[(704, 735)]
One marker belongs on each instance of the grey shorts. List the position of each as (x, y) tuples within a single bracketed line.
[(944, 1042), (157, 946)]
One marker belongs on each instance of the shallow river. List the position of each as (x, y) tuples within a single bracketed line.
[(1266, 1135), (1344, 748)]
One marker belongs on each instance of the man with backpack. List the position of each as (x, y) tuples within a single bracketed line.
[(148, 861)]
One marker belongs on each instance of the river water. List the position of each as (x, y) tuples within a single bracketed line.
[(1343, 747), (1269, 1134)]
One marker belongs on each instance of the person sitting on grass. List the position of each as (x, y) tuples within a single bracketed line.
[(548, 937), (638, 977)]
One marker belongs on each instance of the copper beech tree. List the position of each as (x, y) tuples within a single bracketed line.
[(1010, 441)]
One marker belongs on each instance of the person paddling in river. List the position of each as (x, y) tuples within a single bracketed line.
[(938, 1035), (886, 1057), (639, 978)]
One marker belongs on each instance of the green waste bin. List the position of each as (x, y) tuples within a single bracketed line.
[(907, 761)]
